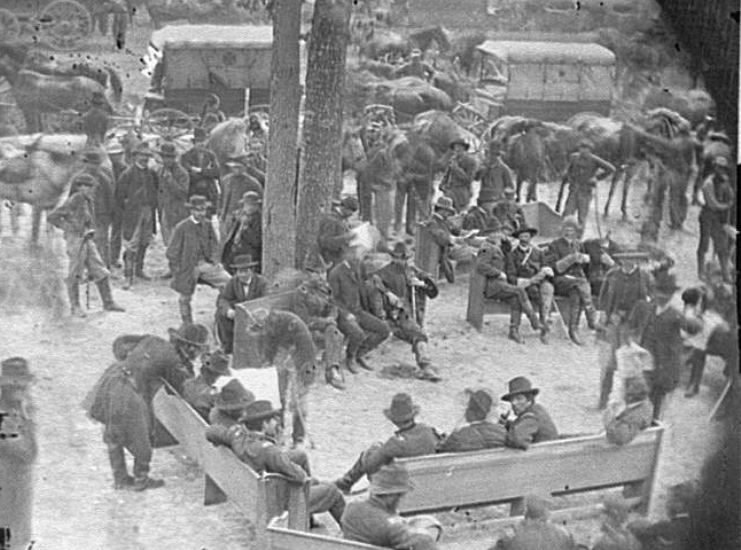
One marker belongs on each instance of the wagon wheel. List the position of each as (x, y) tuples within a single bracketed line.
[(469, 118), (169, 123), (10, 28), (66, 23)]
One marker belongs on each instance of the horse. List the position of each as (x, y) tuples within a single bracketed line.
[(423, 38), (526, 155)]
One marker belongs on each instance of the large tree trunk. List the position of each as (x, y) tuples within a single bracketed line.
[(279, 208), (320, 168)]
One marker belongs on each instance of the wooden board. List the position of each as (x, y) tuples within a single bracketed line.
[(506, 475), (287, 539), (426, 252)]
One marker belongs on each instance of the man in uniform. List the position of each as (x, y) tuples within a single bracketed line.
[(229, 404), (192, 255), (95, 121), (491, 263), (478, 433), (376, 520), (76, 217), (716, 211), (199, 392), (334, 234), (480, 215), (244, 232), (535, 532), (255, 443), (136, 196), (444, 234), (456, 182), (623, 286), (495, 176), (566, 256), (410, 439), (203, 170), (233, 188), (526, 268), (582, 175), (172, 191), (532, 423), (118, 163), (629, 413), (104, 202), (243, 286), (508, 212)]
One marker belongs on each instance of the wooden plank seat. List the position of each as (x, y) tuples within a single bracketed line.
[(561, 467), (289, 539), (259, 496)]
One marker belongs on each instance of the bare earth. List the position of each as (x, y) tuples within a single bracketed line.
[(76, 506)]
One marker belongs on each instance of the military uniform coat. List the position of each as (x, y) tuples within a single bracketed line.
[(535, 534), (203, 170), (416, 440), (509, 214), (496, 176), (136, 189), (491, 263), (191, 243), (172, 196), (478, 218), (474, 437), (235, 293), (331, 237), (346, 287), (532, 426), (243, 236), (524, 264)]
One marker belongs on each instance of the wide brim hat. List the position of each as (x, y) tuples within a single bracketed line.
[(459, 141), (666, 283), (168, 150), (259, 410), (400, 250), (402, 409), (192, 334), (250, 196), (445, 203), (631, 255), (517, 232), (142, 149), (520, 386), (391, 479), (216, 362), (350, 203), (243, 261), (479, 404), (15, 372), (233, 397), (197, 201)]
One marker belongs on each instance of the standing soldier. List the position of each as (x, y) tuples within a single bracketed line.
[(495, 175), (716, 211), (105, 204), (95, 121), (203, 170), (118, 163), (136, 196), (244, 232), (76, 217), (233, 188), (582, 175), (334, 233), (173, 191), (193, 256), (456, 182)]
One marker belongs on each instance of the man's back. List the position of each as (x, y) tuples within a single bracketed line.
[(532, 534), (369, 521)]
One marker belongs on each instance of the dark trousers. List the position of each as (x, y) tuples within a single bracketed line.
[(116, 241), (225, 332), (376, 331), (711, 228), (352, 331), (416, 194), (103, 241), (516, 297), (139, 447)]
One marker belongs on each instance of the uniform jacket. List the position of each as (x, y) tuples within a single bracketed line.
[(203, 180), (613, 538), (509, 214), (346, 287), (243, 236), (491, 263), (474, 437), (441, 231), (173, 193), (135, 189), (417, 440), (460, 172), (582, 169), (379, 171), (477, 218), (284, 330), (190, 244), (718, 196), (533, 534), (622, 423), (533, 426), (234, 186), (199, 395), (313, 308), (524, 264), (105, 203), (233, 293), (620, 291), (371, 522), (496, 176), (558, 250), (75, 216), (331, 237)]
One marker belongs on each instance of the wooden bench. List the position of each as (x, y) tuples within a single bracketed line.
[(260, 496), (560, 467), (289, 539), (426, 252)]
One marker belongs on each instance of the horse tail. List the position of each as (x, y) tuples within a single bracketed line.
[(115, 84)]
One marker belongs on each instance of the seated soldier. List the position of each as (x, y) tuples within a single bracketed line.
[(445, 236), (243, 286), (532, 423), (509, 212), (411, 439), (629, 413), (255, 443), (490, 263), (601, 260), (229, 404), (525, 268), (376, 520), (480, 216), (199, 392), (478, 433), (615, 536), (672, 533), (535, 532)]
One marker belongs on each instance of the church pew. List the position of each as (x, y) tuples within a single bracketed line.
[(289, 539), (561, 467), (259, 496)]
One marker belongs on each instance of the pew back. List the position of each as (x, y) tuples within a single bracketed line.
[(288, 539)]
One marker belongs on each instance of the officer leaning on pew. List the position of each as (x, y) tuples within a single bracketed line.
[(532, 423)]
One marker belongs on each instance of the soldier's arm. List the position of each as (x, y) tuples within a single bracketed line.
[(522, 433), (226, 300), (440, 236), (277, 462)]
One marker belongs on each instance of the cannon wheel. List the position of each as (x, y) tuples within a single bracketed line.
[(469, 118), (169, 123), (10, 28), (66, 23)]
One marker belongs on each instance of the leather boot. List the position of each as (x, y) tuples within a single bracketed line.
[(514, 323), (139, 266), (591, 314), (574, 314), (144, 483), (531, 315), (697, 361), (186, 313), (73, 292), (104, 287), (333, 377), (128, 271), (350, 363)]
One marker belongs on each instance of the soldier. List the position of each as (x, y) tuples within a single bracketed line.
[(445, 235), (104, 202), (229, 404), (479, 216), (172, 191), (582, 174), (456, 182), (615, 535), (535, 532), (233, 187), (629, 413), (118, 163), (491, 263), (334, 233), (532, 423), (244, 232), (136, 196), (622, 288), (478, 433), (95, 121), (411, 439), (566, 257), (375, 183), (76, 217), (376, 520), (495, 176), (244, 285), (203, 170), (192, 256), (508, 212), (716, 211), (526, 268), (255, 443), (200, 392)]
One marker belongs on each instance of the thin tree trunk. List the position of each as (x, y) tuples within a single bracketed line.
[(279, 208), (320, 175)]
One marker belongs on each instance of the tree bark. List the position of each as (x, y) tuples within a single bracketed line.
[(279, 208), (320, 176)]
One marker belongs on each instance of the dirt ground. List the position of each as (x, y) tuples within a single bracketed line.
[(76, 506)]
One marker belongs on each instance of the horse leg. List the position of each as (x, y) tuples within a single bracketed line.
[(613, 183), (627, 181), (35, 225), (519, 187)]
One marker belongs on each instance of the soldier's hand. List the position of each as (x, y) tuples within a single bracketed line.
[(230, 314)]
